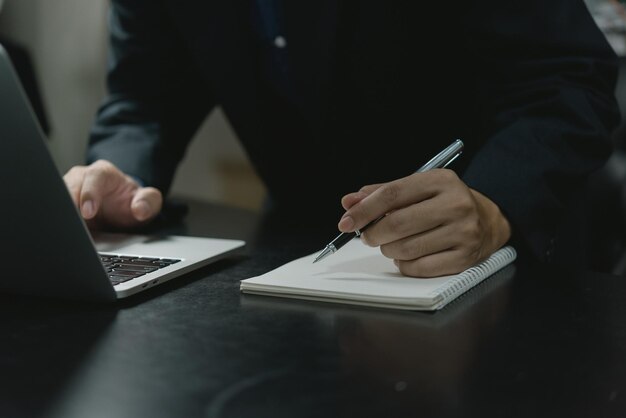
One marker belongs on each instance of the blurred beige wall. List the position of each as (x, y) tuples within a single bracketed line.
[(67, 40)]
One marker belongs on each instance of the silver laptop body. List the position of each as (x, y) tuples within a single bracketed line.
[(46, 246)]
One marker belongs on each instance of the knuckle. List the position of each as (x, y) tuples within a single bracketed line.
[(369, 188), (445, 175), (367, 239), (429, 267), (462, 205), (419, 248), (402, 251), (387, 251), (102, 167), (394, 251), (395, 224), (466, 200), (471, 230), (389, 193), (406, 252), (75, 171), (449, 174), (466, 255)]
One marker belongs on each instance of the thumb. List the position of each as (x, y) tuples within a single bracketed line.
[(146, 203)]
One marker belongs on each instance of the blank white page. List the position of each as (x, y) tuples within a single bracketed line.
[(362, 275)]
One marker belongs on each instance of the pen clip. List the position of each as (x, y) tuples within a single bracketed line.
[(445, 157), (452, 159)]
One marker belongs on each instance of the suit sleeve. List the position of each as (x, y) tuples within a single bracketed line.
[(155, 99), (547, 79)]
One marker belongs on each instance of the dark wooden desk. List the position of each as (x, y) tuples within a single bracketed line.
[(530, 343)]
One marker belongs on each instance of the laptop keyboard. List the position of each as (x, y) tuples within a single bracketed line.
[(122, 268)]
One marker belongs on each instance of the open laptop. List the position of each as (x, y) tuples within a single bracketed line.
[(46, 247)]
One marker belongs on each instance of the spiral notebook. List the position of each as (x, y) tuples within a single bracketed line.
[(361, 275)]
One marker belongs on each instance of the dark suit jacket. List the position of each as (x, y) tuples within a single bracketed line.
[(374, 89)]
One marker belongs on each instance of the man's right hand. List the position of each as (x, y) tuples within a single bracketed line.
[(107, 197)]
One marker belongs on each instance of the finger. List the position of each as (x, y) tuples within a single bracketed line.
[(100, 179), (394, 195), (434, 265), (352, 199), (370, 188), (402, 223), (420, 245), (146, 203), (73, 181)]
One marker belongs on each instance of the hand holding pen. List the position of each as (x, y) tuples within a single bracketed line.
[(430, 222)]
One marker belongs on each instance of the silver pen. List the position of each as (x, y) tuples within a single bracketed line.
[(440, 160)]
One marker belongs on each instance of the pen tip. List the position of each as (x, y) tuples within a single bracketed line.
[(322, 255)]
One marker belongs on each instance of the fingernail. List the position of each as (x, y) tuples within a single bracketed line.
[(87, 209), (142, 210), (346, 224)]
